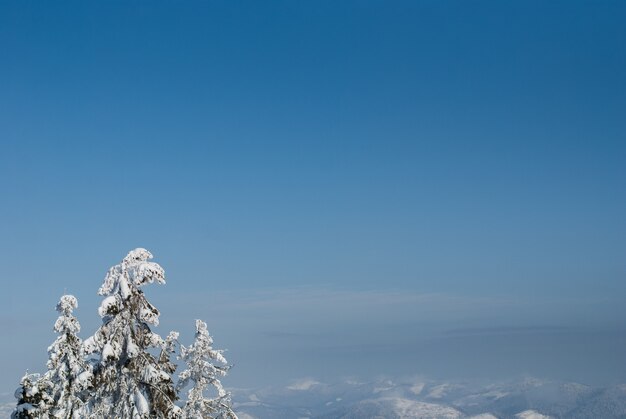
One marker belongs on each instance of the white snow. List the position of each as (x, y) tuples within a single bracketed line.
[(407, 409), (417, 388), (108, 353), (438, 392), (107, 305), (531, 414), (303, 385), (141, 403)]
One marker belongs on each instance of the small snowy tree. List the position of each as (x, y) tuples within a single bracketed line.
[(34, 400), (68, 372), (205, 366), (130, 382)]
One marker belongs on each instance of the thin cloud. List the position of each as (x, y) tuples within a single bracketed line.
[(508, 330)]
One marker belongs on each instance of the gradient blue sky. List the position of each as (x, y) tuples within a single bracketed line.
[(318, 178)]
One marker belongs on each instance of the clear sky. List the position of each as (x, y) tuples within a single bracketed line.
[(324, 182)]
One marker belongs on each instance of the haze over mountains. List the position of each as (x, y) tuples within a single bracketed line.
[(527, 398)]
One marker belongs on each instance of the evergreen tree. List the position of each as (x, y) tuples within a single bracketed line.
[(205, 366), (34, 400), (130, 382), (68, 372)]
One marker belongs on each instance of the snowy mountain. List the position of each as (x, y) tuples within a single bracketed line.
[(386, 399), (393, 407), (531, 414)]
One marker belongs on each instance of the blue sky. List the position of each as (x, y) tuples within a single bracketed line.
[(466, 155)]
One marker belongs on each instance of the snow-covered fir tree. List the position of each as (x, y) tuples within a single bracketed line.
[(68, 372), (57, 394), (130, 382), (205, 366), (34, 398), (124, 371)]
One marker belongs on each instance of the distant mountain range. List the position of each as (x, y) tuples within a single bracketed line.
[(386, 399)]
